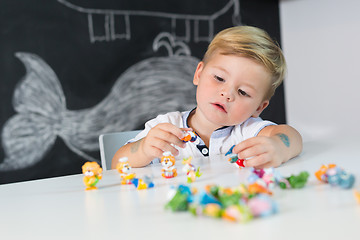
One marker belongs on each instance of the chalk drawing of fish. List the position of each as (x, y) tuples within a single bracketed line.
[(152, 86)]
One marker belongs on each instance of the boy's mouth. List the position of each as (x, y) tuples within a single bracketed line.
[(220, 107)]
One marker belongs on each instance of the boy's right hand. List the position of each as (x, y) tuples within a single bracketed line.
[(163, 137)]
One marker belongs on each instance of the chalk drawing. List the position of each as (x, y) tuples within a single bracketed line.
[(152, 86), (111, 31)]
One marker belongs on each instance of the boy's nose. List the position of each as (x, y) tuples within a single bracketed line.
[(227, 94)]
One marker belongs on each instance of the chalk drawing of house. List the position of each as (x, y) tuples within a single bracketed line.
[(117, 22)]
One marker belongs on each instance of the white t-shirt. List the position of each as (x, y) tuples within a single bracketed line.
[(221, 140)]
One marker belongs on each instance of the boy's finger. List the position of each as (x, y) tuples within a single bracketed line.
[(246, 144), (252, 151), (164, 146), (255, 161), (179, 133)]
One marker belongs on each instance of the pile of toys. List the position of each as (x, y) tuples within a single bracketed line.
[(237, 204)]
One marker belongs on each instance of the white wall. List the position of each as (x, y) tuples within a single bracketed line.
[(321, 42)]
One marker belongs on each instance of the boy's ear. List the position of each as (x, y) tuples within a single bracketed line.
[(261, 108), (198, 71)]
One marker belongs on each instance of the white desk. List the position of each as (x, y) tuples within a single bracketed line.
[(60, 207)]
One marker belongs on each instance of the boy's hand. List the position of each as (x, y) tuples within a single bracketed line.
[(163, 137), (262, 151)]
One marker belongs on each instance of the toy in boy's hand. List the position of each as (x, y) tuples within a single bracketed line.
[(92, 174), (189, 137), (124, 168), (336, 176), (168, 163), (190, 170), (233, 158), (143, 183)]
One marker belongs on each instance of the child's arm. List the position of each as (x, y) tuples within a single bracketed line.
[(160, 138), (274, 145)]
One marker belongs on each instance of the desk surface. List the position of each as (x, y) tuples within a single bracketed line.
[(57, 207)]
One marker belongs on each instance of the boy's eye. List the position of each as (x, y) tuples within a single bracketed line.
[(220, 79), (243, 93)]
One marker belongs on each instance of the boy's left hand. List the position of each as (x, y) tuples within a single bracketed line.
[(261, 151)]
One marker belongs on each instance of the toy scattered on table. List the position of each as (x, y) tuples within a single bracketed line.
[(124, 168), (143, 183), (190, 170), (269, 177), (190, 136), (180, 197), (357, 195), (168, 163), (335, 176), (295, 181), (233, 158), (92, 174), (237, 204)]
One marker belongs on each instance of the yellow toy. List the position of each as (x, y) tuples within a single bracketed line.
[(190, 170), (124, 168), (168, 162), (92, 174), (357, 196)]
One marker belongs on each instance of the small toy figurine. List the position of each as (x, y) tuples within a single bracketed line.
[(124, 168), (321, 173), (144, 183), (335, 176), (168, 162), (92, 174), (294, 181), (357, 196), (190, 170), (233, 158), (189, 137), (262, 206), (180, 198)]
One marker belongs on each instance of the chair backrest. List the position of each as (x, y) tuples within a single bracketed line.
[(110, 143)]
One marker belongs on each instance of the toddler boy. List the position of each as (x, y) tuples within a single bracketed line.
[(235, 82)]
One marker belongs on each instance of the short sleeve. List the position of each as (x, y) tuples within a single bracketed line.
[(251, 127)]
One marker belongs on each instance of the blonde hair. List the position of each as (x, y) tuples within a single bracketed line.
[(254, 43)]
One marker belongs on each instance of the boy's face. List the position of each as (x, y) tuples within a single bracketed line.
[(230, 89)]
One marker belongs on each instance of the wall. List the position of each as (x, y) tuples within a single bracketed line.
[(321, 41)]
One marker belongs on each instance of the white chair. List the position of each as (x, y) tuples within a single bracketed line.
[(110, 143)]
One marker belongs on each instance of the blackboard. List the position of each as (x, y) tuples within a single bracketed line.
[(72, 69)]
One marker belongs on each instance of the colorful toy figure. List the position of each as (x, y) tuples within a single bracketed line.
[(233, 158), (191, 172), (357, 196), (168, 163), (144, 183), (92, 174), (335, 176), (294, 181), (124, 168), (321, 173), (180, 198), (189, 137)]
